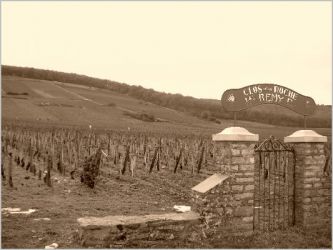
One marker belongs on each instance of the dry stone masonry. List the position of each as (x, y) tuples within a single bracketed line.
[(313, 185), (227, 209)]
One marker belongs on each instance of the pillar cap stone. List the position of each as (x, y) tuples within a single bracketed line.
[(235, 134), (305, 136)]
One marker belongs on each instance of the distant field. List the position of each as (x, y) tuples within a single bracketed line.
[(50, 103)]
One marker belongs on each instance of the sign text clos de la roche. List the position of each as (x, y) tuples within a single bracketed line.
[(257, 94)]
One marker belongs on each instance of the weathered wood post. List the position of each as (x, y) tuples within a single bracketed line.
[(52, 147), (47, 178), (77, 150), (3, 161), (61, 159), (312, 186), (234, 154), (10, 170)]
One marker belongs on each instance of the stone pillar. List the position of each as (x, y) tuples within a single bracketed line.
[(312, 186), (234, 153)]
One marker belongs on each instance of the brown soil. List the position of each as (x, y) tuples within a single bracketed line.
[(68, 199)]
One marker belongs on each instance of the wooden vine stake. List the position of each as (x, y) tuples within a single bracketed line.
[(133, 164), (47, 178), (52, 147), (127, 159), (69, 153), (159, 155), (109, 144), (10, 178), (77, 150), (30, 156), (153, 161), (89, 145), (116, 155), (201, 159), (2, 170), (178, 160), (62, 158), (145, 159)]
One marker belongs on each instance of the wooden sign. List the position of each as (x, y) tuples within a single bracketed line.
[(257, 94)]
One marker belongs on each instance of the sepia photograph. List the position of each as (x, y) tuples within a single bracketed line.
[(166, 124)]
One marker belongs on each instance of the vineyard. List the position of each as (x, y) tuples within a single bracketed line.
[(97, 173), (67, 150), (67, 173)]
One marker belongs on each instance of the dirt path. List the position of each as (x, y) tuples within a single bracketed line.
[(77, 95)]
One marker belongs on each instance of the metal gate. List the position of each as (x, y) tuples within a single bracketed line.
[(274, 194)]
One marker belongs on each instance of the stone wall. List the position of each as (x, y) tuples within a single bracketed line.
[(313, 186), (227, 209), (144, 231)]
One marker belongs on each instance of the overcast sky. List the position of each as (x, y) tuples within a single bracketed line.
[(193, 48)]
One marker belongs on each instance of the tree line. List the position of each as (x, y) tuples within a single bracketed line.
[(205, 109)]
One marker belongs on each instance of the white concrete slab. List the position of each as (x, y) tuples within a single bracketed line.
[(305, 136), (210, 183), (138, 219), (235, 134)]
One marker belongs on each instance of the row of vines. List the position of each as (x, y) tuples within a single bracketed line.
[(88, 153)]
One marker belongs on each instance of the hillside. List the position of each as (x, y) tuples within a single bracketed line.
[(210, 110), (50, 102), (41, 103)]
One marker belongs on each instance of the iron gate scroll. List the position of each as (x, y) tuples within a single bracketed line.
[(274, 195)]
